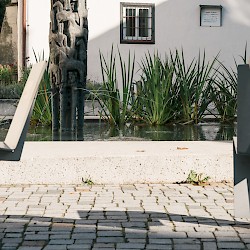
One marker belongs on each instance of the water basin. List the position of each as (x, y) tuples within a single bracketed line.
[(97, 130)]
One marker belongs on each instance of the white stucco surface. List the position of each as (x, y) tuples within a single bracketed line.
[(177, 26), (38, 19), (118, 162)]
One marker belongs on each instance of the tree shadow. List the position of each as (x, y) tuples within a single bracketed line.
[(116, 229)]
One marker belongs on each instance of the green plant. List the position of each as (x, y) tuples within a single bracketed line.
[(25, 75), (197, 179), (224, 91), (115, 102), (8, 74), (193, 86), (224, 94), (42, 112), (155, 102), (87, 181), (12, 91), (91, 90)]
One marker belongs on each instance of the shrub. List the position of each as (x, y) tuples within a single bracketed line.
[(116, 103), (155, 101), (12, 91), (8, 74)]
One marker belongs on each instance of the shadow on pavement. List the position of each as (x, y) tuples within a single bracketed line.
[(117, 230)]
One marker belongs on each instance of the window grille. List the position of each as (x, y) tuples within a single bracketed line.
[(137, 23)]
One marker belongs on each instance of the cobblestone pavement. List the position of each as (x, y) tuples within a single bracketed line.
[(140, 216)]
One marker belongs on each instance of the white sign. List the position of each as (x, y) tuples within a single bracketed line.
[(211, 16)]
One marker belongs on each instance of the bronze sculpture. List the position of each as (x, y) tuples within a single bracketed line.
[(68, 63)]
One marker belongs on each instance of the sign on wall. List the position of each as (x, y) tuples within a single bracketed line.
[(210, 15)]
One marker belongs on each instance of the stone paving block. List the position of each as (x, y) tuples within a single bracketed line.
[(130, 245), (84, 229), (110, 248), (186, 241), (36, 237), (109, 233), (11, 235), (37, 229), (226, 233), (104, 245), (83, 246), (60, 236), (11, 240), (209, 246), (231, 245), (55, 247), (167, 235), (136, 235), (187, 247), (13, 230), (186, 229), (135, 240), (29, 248), (134, 224), (8, 248), (158, 247), (61, 242), (160, 241), (109, 227), (34, 243), (10, 245), (83, 236), (200, 235), (230, 238), (245, 238), (84, 242), (110, 239)]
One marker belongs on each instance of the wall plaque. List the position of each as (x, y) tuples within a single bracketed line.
[(210, 15)]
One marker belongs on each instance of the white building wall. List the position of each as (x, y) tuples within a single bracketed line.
[(177, 25), (37, 29)]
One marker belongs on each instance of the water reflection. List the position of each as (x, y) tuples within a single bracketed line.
[(94, 131), (67, 136)]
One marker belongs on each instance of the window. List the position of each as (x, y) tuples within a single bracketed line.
[(137, 23)]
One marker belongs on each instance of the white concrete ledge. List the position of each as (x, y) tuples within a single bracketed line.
[(118, 162)]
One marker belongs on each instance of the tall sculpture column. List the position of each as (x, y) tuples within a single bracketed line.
[(68, 63)]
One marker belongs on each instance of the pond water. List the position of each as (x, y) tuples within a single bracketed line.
[(94, 131)]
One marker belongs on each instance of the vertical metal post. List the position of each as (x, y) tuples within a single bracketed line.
[(242, 145)]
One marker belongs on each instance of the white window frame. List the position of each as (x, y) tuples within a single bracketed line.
[(136, 38)]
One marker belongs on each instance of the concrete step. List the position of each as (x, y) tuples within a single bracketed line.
[(119, 162)]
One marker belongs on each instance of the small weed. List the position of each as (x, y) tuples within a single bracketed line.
[(87, 181), (197, 179)]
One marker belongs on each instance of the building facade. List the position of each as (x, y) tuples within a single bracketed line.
[(139, 26)]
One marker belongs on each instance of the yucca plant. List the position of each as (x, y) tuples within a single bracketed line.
[(193, 86), (42, 112), (155, 103), (116, 103), (224, 94)]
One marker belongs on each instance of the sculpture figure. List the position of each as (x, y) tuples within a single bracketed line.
[(68, 63)]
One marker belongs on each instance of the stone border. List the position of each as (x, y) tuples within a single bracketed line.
[(118, 162)]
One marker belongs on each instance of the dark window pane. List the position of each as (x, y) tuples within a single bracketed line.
[(130, 22), (143, 22)]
